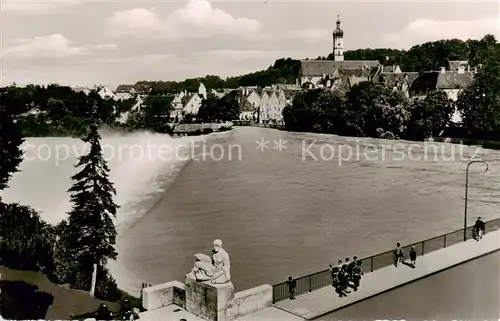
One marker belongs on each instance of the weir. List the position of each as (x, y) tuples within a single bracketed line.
[(218, 302)]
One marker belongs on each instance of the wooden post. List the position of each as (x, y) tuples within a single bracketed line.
[(94, 279)]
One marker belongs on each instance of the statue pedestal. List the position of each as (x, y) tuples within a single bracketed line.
[(208, 301)]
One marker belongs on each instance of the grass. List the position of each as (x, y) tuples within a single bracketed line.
[(65, 301)]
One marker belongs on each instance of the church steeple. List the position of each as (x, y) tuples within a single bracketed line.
[(338, 42)]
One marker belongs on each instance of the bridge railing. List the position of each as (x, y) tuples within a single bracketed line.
[(369, 264)]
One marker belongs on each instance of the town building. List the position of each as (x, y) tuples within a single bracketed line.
[(451, 82), (333, 73), (272, 103)]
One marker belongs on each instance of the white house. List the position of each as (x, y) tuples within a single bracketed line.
[(272, 103), (122, 96), (185, 103), (192, 104), (106, 93), (202, 91), (253, 98)]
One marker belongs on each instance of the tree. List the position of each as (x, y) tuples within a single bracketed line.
[(156, 113), (10, 142), (208, 111), (315, 111), (430, 116), (26, 239), (374, 110), (219, 109), (90, 235), (479, 104)]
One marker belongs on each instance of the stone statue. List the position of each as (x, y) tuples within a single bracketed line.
[(215, 269)]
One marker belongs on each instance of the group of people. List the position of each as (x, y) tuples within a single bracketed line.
[(399, 256), (346, 275)]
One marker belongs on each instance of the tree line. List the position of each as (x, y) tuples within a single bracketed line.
[(423, 57), (370, 109)]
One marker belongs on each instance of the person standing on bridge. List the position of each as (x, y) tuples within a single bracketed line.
[(398, 254), (479, 228), (292, 284), (413, 256)]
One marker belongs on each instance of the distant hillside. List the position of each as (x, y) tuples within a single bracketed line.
[(427, 56)]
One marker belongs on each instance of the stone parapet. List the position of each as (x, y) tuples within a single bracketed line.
[(161, 295), (208, 301)]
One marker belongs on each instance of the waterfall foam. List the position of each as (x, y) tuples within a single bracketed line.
[(140, 164)]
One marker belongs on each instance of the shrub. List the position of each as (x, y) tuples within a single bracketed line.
[(207, 131), (26, 240), (491, 145)]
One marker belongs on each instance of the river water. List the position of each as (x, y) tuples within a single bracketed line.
[(279, 213)]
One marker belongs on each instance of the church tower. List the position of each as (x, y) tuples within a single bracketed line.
[(338, 42)]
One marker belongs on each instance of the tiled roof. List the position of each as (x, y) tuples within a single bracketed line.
[(245, 105), (186, 99), (392, 79), (454, 80), (437, 80), (391, 68), (354, 80), (124, 88), (311, 68)]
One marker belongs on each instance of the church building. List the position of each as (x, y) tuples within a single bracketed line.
[(333, 73)]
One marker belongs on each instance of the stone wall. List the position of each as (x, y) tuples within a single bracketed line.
[(188, 128), (250, 301), (213, 302), (158, 296)]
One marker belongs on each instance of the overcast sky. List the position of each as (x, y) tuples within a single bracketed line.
[(84, 42)]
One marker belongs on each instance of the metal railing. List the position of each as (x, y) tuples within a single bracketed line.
[(323, 278)]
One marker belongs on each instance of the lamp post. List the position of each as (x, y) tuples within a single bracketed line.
[(466, 189)]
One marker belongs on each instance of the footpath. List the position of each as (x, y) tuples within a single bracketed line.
[(323, 301)]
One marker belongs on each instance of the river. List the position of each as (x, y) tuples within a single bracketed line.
[(280, 213)]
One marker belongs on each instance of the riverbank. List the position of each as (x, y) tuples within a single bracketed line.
[(31, 295), (195, 129)]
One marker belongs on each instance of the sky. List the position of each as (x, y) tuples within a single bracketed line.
[(111, 42)]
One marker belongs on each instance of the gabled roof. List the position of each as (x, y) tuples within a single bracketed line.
[(311, 68), (391, 68), (187, 98), (245, 105), (433, 80), (392, 79)]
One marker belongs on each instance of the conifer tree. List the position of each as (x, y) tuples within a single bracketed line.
[(11, 154), (90, 231)]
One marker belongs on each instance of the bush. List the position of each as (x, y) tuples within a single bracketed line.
[(27, 241), (224, 129), (207, 131), (491, 145)]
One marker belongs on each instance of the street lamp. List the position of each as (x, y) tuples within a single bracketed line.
[(466, 189)]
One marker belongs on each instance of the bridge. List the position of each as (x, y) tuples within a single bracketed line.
[(470, 291), (446, 259)]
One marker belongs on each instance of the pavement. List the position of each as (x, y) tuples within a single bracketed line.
[(321, 303), (470, 291)]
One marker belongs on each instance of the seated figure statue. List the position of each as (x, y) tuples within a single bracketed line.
[(215, 269)]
